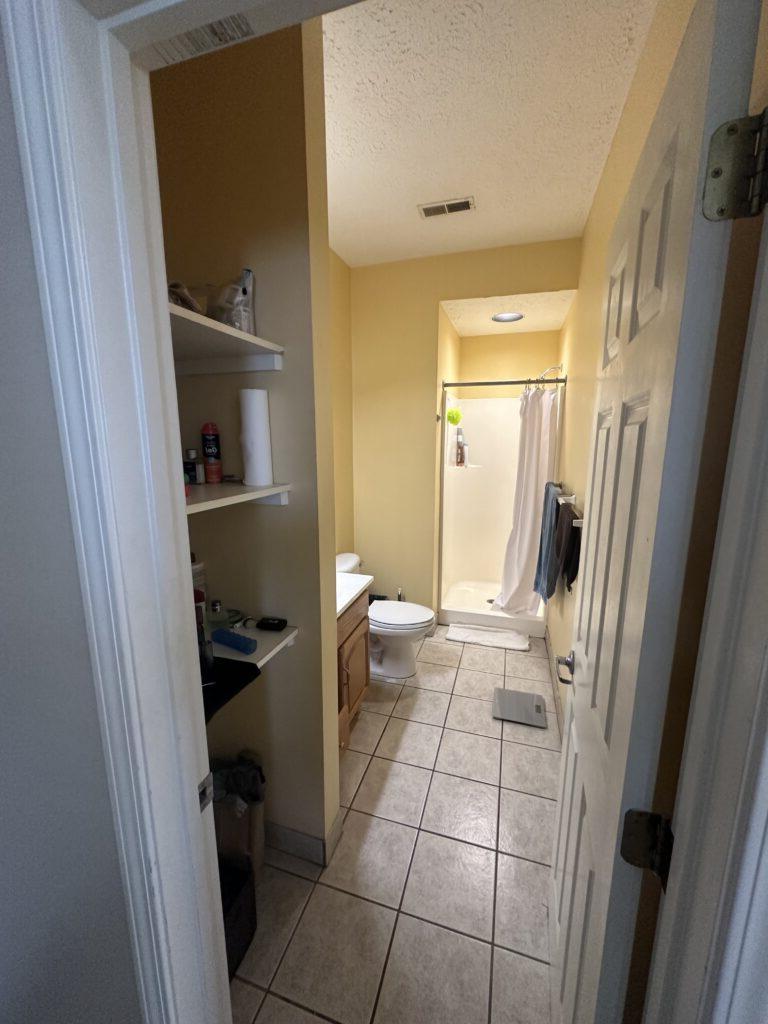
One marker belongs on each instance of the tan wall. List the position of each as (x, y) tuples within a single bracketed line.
[(341, 335), (506, 357), (583, 330), (395, 313), (243, 185)]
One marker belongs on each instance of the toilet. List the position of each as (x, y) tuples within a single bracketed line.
[(396, 626)]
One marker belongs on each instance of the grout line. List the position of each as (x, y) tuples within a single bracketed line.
[(419, 829), (290, 939), (519, 952), (299, 1006), (432, 832), (495, 886), (525, 792), (407, 877), (397, 910)]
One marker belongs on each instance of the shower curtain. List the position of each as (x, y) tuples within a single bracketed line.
[(535, 466)]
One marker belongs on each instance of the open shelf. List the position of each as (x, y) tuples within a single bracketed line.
[(204, 497), (202, 345), (269, 645), (232, 672)]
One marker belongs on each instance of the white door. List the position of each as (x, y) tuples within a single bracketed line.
[(663, 287)]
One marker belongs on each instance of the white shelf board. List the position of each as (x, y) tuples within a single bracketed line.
[(269, 645), (202, 345), (204, 497)]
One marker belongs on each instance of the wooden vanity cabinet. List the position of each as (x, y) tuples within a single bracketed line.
[(353, 662)]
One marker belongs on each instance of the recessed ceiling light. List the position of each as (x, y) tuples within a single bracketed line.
[(507, 318)]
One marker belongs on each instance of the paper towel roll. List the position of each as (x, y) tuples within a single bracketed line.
[(255, 439)]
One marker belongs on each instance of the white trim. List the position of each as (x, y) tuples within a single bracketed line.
[(128, 525), (97, 234), (709, 956)]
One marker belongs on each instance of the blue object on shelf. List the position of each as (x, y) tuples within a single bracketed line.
[(238, 642)]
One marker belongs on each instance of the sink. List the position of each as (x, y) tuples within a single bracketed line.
[(349, 586)]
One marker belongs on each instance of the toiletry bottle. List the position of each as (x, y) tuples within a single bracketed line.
[(211, 453), (193, 467), (459, 447), (466, 454), (218, 615)]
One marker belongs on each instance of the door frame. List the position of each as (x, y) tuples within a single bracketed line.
[(79, 87), (100, 267)]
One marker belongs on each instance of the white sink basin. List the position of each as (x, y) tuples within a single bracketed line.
[(349, 586)]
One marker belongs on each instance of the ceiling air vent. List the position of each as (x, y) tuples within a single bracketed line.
[(447, 206)]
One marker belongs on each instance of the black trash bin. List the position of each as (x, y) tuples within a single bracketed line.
[(238, 902)]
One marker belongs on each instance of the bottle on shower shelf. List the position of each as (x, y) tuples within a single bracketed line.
[(460, 447)]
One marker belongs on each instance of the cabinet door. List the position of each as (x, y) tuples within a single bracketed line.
[(354, 665)]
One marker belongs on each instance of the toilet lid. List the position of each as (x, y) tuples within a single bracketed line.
[(399, 613)]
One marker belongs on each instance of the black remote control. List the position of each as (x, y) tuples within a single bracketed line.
[(273, 624)]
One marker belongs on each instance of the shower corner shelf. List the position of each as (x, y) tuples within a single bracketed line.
[(472, 465)]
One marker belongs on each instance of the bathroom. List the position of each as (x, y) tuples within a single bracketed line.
[(441, 312), (435, 791)]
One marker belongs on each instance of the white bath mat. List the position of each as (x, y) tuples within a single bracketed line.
[(487, 637)]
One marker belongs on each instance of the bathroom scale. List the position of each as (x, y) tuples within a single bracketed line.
[(515, 706)]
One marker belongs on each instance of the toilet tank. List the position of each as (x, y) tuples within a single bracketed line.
[(347, 561)]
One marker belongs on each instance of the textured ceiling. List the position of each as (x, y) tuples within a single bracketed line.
[(544, 311), (514, 102)]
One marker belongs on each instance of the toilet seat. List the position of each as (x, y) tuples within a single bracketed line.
[(399, 616), (396, 627)]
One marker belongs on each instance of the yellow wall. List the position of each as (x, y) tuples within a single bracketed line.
[(255, 196), (583, 329), (341, 335), (505, 357), (395, 314), (448, 369)]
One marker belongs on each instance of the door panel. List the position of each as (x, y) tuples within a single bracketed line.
[(619, 567), (663, 282)]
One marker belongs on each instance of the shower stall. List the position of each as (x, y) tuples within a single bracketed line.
[(477, 501)]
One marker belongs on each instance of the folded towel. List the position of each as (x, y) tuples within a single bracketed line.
[(547, 567), (571, 549)]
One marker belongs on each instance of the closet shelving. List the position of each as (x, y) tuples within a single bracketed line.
[(205, 346), (204, 497), (269, 643), (202, 345)]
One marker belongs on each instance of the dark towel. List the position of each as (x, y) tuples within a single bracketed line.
[(547, 567), (572, 557), (567, 544)]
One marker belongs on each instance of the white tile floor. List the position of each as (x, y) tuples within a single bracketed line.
[(434, 905)]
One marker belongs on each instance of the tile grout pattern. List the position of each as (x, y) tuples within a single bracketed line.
[(452, 658)]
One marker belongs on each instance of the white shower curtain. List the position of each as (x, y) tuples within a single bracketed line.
[(535, 466)]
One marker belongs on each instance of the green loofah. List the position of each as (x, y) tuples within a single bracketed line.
[(454, 417)]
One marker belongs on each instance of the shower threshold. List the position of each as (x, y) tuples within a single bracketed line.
[(466, 602)]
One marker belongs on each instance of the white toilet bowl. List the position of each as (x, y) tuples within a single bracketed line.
[(395, 627)]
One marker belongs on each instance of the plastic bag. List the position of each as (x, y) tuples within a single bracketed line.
[(234, 304)]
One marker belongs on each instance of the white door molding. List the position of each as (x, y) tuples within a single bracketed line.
[(109, 369), (708, 965), (84, 124)]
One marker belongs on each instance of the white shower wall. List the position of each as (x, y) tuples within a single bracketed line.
[(477, 499)]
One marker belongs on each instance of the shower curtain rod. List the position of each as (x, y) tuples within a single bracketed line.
[(502, 383)]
